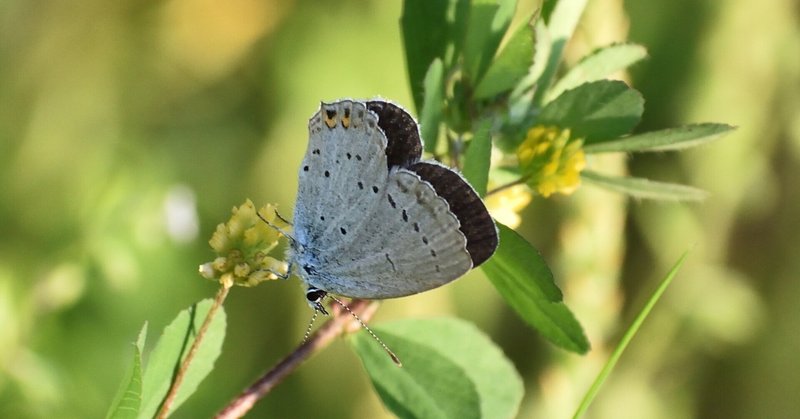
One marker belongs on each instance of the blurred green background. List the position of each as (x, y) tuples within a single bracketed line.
[(129, 129)]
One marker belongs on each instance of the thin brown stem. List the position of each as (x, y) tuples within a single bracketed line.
[(519, 181), (176, 383), (341, 322)]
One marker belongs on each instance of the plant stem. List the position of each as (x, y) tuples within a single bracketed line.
[(519, 181), (340, 323), (176, 383)]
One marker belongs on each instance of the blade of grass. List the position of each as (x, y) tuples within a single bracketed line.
[(626, 339)]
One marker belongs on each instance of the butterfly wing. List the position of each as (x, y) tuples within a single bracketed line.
[(409, 244), (343, 166), (384, 225)]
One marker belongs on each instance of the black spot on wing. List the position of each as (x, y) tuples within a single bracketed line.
[(476, 223), (404, 146)]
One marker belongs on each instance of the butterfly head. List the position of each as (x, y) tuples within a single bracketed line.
[(314, 297)]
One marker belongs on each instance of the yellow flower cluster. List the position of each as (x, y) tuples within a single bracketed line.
[(242, 246), (551, 161)]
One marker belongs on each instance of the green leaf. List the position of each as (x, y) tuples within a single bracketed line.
[(425, 38), (523, 279), (129, 396), (172, 346), (510, 66), (487, 23), (432, 105), (478, 158), (450, 370), (629, 334), (645, 188), (595, 111), (663, 140), (521, 98), (598, 65), (547, 9), (561, 25)]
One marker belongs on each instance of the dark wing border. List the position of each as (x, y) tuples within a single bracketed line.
[(402, 132), (475, 221)]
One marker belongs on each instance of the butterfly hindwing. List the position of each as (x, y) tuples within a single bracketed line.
[(411, 243), (475, 221)]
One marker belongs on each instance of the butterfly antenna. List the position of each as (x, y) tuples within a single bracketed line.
[(310, 323), (389, 352)]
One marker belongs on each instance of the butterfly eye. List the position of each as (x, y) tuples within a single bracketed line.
[(314, 296)]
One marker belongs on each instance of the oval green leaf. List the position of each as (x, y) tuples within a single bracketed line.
[(128, 400), (425, 38), (598, 65), (478, 158), (510, 66), (487, 23), (523, 279), (560, 25), (170, 350), (645, 188), (432, 105), (595, 111), (663, 140), (450, 370)]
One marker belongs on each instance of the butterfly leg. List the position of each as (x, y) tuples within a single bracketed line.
[(280, 275), (276, 228), (277, 214)]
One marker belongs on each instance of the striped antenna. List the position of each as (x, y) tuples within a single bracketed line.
[(389, 352)]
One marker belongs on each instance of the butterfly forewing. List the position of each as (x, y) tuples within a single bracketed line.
[(342, 166)]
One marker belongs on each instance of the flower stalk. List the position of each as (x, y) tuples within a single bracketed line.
[(163, 412)]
